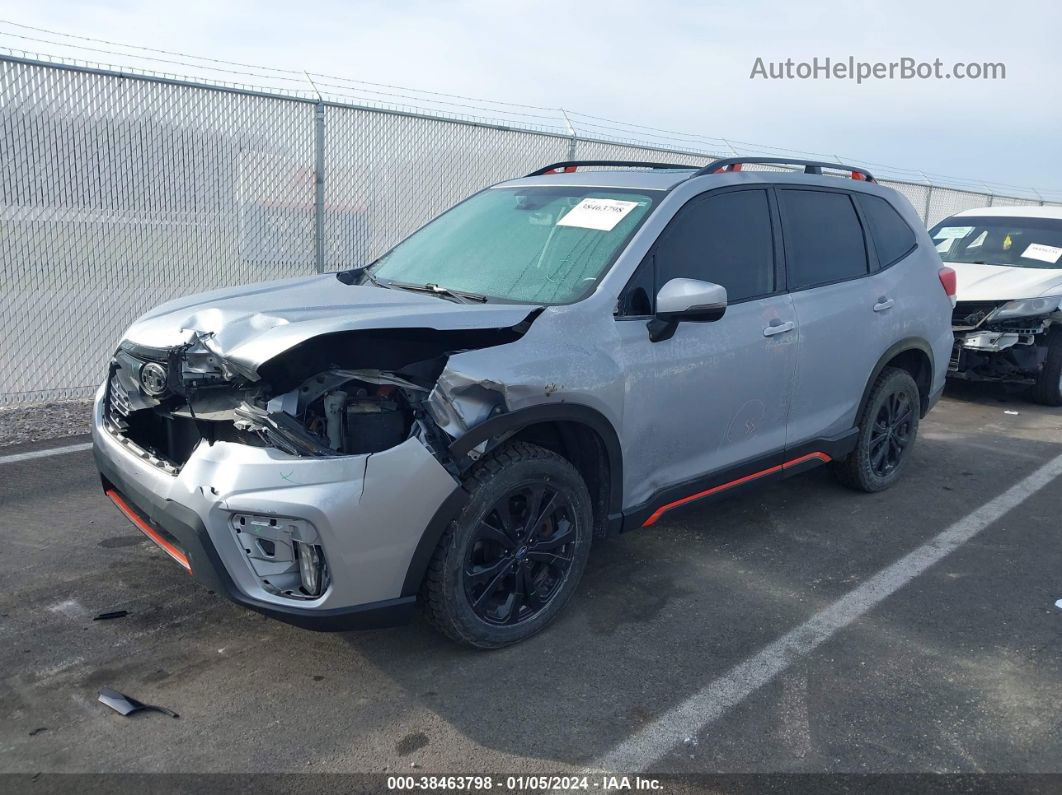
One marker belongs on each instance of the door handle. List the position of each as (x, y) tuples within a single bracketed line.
[(883, 304), (778, 328)]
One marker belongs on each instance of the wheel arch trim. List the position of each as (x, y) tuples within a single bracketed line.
[(502, 426), (897, 348), (499, 428)]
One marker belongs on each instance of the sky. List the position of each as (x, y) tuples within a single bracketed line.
[(681, 66)]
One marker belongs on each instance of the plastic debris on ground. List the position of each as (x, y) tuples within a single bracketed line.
[(127, 705), (112, 614)]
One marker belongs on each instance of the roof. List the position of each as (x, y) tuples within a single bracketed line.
[(1032, 211)]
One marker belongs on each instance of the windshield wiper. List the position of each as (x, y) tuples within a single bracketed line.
[(457, 296)]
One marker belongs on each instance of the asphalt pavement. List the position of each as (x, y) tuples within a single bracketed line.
[(956, 667)]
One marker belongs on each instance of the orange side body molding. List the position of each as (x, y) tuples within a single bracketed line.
[(731, 484)]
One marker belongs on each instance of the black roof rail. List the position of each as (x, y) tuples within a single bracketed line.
[(571, 165), (810, 166)]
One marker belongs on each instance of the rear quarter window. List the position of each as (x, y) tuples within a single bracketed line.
[(824, 238), (893, 238)]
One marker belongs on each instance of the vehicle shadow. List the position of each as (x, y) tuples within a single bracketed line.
[(662, 612), (568, 693), (987, 393)]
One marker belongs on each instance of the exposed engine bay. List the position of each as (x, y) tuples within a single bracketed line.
[(993, 348), (162, 403)]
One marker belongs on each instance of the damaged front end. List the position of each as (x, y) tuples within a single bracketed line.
[(343, 394), (1002, 341)]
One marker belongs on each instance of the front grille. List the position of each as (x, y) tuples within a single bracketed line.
[(970, 314), (117, 405), (148, 431), (158, 430)]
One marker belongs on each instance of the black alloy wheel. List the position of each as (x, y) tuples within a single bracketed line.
[(520, 554), (886, 433), (891, 433), (511, 559)]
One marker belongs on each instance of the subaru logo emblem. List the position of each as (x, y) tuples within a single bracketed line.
[(153, 378)]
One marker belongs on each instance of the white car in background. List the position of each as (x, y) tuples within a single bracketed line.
[(1008, 316)]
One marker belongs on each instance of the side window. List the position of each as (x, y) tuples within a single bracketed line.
[(723, 238), (893, 238), (824, 239)]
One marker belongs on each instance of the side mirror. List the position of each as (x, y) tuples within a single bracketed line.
[(686, 299)]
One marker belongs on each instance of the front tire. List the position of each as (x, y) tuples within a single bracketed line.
[(511, 560), (1048, 389), (887, 432)]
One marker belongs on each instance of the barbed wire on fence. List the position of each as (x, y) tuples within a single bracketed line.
[(124, 188), (306, 84)]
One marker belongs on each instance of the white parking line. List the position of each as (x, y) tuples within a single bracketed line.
[(70, 448), (693, 715)]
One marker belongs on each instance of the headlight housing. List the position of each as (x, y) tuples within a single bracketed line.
[(1027, 307)]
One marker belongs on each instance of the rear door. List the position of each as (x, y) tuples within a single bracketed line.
[(899, 291), (715, 395), (827, 267)]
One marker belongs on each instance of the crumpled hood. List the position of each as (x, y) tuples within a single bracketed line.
[(1004, 282), (252, 324)]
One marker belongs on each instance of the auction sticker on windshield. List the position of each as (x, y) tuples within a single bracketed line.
[(948, 235), (952, 231), (1043, 253), (601, 214)]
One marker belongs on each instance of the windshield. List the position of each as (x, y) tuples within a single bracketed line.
[(1018, 242), (542, 245)]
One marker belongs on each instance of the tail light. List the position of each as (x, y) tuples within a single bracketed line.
[(948, 282)]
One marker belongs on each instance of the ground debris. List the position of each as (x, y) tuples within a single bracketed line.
[(111, 614), (127, 705)]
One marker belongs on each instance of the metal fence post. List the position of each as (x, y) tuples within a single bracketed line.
[(319, 186), (572, 135), (929, 195)]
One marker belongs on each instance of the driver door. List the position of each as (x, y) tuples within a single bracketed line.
[(712, 400)]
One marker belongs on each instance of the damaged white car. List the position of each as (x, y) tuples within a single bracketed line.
[(1008, 315), (556, 359)]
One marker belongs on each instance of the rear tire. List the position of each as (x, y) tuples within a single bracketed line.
[(1048, 388), (512, 559), (887, 432)]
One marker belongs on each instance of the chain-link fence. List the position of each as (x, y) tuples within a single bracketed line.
[(119, 192)]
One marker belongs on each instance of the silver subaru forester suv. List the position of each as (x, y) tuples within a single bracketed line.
[(555, 360)]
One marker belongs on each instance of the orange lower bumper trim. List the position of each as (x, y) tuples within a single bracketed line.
[(150, 532)]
